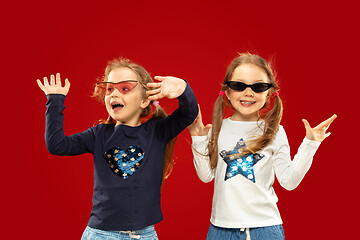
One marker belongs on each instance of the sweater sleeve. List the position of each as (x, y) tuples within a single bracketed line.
[(183, 116), (290, 173), (201, 158), (56, 141)]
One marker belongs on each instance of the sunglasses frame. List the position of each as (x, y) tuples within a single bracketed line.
[(231, 84), (130, 80)]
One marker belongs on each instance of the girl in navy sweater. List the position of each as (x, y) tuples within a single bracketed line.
[(131, 158)]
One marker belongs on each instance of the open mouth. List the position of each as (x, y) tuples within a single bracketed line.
[(116, 106), (247, 103)]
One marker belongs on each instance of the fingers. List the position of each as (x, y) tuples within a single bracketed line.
[(153, 85), (52, 80), (54, 86), (327, 134), (67, 84), (153, 92), (159, 78), (155, 97), (58, 80), (199, 117), (328, 121), (326, 124), (46, 82), (41, 86)]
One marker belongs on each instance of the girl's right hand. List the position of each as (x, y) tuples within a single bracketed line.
[(55, 85), (197, 128)]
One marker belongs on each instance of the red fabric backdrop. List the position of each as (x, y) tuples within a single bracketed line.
[(315, 49)]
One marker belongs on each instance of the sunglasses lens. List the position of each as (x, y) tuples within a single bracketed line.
[(125, 87), (256, 87), (236, 86), (108, 88), (260, 87)]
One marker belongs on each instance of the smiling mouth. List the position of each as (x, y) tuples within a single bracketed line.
[(117, 106), (247, 103)]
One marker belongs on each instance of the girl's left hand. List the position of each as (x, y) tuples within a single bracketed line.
[(169, 87), (318, 133)]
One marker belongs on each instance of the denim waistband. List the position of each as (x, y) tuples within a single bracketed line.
[(132, 234), (149, 229)]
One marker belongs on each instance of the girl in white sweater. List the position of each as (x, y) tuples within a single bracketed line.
[(243, 153)]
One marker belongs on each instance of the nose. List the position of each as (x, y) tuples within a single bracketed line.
[(248, 92), (115, 93)]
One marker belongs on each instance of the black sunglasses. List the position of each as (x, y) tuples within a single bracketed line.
[(256, 87)]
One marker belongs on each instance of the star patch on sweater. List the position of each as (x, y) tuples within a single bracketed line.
[(124, 163), (238, 163)]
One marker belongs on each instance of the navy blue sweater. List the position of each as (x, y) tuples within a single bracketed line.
[(128, 162)]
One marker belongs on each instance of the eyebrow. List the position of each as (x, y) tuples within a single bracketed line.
[(256, 81)]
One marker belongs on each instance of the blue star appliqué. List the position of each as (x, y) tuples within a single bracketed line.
[(240, 164)]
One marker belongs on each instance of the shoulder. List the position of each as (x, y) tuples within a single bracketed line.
[(102, 127), (281, 130), (281, 137)]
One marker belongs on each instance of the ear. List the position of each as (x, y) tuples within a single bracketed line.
[(144, 103), (268, 97), (227, 94)]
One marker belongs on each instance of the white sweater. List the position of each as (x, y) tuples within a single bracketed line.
[(246, 199)]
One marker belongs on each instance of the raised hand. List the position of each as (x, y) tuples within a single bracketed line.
[(55, 85), (197, 128), (318, 133), (169, 87)]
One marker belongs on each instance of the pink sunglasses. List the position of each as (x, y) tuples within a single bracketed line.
[(124, 87)]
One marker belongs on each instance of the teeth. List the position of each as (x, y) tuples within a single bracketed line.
[(247, 102), (115, 105)]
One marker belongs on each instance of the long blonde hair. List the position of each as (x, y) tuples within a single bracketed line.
[(159, 113), (271, 117)]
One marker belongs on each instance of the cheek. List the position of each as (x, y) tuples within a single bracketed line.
[(263, 99), (262, 96), (134, 98), (107, 102), (234, 96)]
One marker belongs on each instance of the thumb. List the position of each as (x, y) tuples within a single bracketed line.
[(306, 125), (207, 128), (67, 85)]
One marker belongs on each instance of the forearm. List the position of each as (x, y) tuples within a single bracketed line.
[(182, 117), (188, 107), (202, 159), (56, 141), (291, 173)]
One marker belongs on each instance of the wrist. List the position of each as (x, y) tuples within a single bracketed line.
[(182, 88)]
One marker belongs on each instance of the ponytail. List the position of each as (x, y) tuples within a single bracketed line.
[(217, 120)]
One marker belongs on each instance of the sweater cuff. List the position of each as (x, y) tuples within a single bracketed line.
[(311, 143), (56, 96), (200, 143), (187, 89)]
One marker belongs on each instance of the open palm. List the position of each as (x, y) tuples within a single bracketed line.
[(54, 87), (318, 133), (169, 87)]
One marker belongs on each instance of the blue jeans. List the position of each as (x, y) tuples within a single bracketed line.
[(147, 233), (261, 233)]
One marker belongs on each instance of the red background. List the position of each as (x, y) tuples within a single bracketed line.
[(316, 52)]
